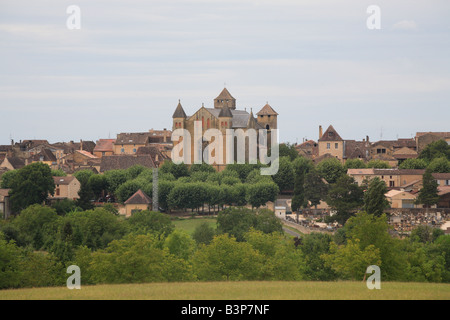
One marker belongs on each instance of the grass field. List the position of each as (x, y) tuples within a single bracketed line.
[(239, 291), (190, 224)]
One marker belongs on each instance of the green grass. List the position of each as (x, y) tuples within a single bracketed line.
[(189, 224), (344, 290)]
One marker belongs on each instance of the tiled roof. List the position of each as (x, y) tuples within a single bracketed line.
[(63, 180), (139, 198), (331, 135), (267, 110), (125, 162), (225, 95), (441, 176), (104, 145), (132, 138), (86, 154), (16, 162)]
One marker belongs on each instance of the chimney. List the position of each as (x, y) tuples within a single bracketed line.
[(320, 132), (81, 145), (367, 138)]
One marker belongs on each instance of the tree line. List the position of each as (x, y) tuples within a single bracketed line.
[(38, 245)]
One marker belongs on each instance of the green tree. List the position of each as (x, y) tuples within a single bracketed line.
[(203, 233), (180, 244), (413, 164), (114, 178), (98, 184), (288, 150), (10, 259), (345, 196), (31, 185), (315, 188), (226, 259), (355, 164), (58, 173), (375, 201), (378, 164), (350, 261), (439, 165), (428, 194), (284, 177), (178, 170), (260, 193), (301, 167), (7, 178), (434, 150), (143, 222), (331, 169)]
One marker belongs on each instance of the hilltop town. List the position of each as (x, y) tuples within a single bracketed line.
[(396, 162)]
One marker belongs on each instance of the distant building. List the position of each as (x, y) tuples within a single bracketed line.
[(65, 188), (223, 116), (5, 208), (104, 147), (137, 202)]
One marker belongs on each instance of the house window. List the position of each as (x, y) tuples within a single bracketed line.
[(328, 146), (381, 151), (57, 192), (122, 150), (134, 150), (336, 145), (392, 184), (447, 182), (208, 123)]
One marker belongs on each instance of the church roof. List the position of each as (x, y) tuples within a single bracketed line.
[(179, 112), (267, 110), (225, 112), (225, 95)]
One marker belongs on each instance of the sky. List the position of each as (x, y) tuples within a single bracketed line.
[(315, 62)]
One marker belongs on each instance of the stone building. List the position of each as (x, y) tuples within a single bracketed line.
[(223, 116)]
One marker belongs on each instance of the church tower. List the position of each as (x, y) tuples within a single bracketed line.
[(225, 99), (179, 118), (267, 117)]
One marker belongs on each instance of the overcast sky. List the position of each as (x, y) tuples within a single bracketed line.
[(314, 61)]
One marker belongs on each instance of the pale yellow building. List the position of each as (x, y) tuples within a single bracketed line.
[(66, 188), (138, 202)]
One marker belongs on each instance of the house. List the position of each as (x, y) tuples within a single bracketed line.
[(12, 163), (442, 179), (331, 143), (5, 208), (65, 188), (129, 143), (158, 157), (137, 202), (401, 199), (104, 147), (425, 138), (444, 197), (394, 178), (45, 156), (125, 162), (308, 149)]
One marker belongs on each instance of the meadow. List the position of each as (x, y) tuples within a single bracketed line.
[(259, 290)]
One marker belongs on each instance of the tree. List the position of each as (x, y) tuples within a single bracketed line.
[(315, 188), (10, 256), (331, 169), (428, 195), (288, 150), (7, 178), (83, 175), (226, 259), (180, 244), (378, 164), (354, 164), (375, 201), (31, 185), (114, 178), (350, 261), (85, 196), (436, 149), (301, 167), (284, 177), (178, 170), (203, 233), (413, 164), (98, 184), (143, 222), (345, 196), (261, 193), (439, 165)]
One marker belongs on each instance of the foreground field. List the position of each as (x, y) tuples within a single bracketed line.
[(239, 291)]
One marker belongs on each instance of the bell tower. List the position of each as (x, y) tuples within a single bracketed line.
[(267, 117), (225, 99)]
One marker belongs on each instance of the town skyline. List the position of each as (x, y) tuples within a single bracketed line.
[(128, 65)]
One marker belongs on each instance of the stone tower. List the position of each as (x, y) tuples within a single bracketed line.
[(225, 99), (179, 117), (267, 117)]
